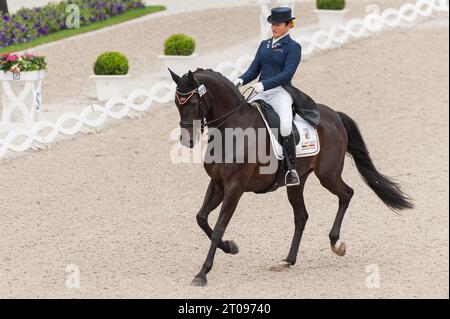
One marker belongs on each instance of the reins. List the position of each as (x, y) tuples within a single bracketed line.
[(201, 90), (230, 114)]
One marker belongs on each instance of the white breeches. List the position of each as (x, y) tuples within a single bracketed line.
[(281, 101)]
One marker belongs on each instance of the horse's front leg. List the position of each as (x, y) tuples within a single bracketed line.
[(213, 198), (230, 201)]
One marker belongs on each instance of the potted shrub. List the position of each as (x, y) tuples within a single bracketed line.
[(21, 81), (179, 53), (111, 73), (330, 13)]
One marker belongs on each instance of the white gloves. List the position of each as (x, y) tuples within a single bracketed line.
[(238, 82), (258, 87)]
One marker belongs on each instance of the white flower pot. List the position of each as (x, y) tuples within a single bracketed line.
[(22, 96), (109, 86), (329, 18), (180, 64)]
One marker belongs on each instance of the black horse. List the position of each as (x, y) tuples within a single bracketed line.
[(209, 97)]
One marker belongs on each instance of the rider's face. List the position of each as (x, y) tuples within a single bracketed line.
[(280, 29)]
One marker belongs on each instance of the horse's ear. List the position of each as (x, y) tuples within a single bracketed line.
[(175, 77), (191, 77)]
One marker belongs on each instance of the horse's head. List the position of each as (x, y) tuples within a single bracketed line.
[(188, 101)]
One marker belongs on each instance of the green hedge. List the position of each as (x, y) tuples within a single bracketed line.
[(179, 44), (330, 4), (111, 63)]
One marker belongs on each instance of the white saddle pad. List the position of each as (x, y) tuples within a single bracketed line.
[(309, 139)]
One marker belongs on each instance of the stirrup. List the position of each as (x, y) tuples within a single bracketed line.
[(292, 171)]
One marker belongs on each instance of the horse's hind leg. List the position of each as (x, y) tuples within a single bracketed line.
[(295, 195), (344, 192), (213, 198)]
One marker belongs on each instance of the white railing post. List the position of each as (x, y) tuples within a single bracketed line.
[(21, 99)]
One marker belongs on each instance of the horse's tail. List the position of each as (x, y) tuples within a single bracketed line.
[(387, 190)]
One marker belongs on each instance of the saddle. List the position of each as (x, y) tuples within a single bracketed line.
[(273, 119), (303, 105), (305, 134), (305, 137)]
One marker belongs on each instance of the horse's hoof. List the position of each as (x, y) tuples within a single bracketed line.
[(280, 266), (339, 248), (231, 247), (199, 281)]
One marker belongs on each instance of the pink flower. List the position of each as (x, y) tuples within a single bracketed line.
[(12, 58)]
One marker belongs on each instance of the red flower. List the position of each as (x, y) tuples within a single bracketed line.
[(12, 58)]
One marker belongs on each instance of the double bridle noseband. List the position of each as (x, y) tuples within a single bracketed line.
[(183, 98)]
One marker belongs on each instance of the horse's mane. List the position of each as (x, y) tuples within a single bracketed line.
[(219, 76)]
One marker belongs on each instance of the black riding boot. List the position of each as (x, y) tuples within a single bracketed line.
[(291, 178)]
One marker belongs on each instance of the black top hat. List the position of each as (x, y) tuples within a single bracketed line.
[(280, 14)]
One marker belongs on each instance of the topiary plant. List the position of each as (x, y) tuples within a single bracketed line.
[(330, 4), (111, 63), (179, 44)]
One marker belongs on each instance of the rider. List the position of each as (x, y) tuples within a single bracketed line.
[(277, 60)]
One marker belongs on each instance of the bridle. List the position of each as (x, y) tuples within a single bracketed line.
[(183, 98)]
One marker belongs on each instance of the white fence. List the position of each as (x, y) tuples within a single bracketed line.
[(93, 116)]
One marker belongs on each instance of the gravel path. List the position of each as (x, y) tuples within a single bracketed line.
[(114, 205)]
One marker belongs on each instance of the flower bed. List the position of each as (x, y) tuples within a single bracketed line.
[(26, 63), (29, 24)]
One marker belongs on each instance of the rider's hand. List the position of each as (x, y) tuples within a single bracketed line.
[(238, 82), (258, 87)]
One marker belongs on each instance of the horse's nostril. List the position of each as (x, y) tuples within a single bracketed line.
[(180, 137)]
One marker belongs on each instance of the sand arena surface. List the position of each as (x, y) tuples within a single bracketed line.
[(114, 205)]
